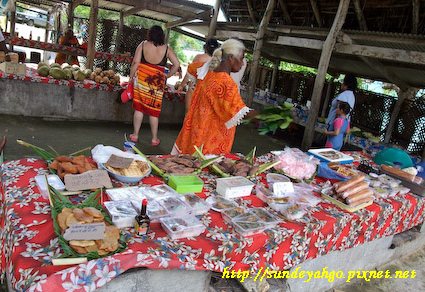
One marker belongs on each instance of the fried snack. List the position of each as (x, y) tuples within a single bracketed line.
[(71, 220), (102, 252), (60, 171), (92, 248), (63, 159), (54, 165), (62, 216), (82, 243), (79, 160), (78, 249), (93, 212), (80, 215), (68, 167), (112, 232), (136, 169)]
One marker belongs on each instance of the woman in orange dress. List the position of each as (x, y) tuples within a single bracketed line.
[(198, 61), (68, 40), (217, 107)]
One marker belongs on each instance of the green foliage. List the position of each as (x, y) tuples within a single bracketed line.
[(273, 118), (175, 42)]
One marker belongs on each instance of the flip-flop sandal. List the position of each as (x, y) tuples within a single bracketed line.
[(156, 143), (133, 138)]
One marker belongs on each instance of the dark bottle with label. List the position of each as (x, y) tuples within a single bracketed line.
[(142, 223)]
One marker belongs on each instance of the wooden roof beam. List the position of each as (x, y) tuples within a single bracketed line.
[(397, 55), (359, 14), (153, 6), (415, 18), (285, 11), (316, 12), (184, 20)]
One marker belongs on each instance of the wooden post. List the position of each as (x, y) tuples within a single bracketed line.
[(119, 33), (402, 96), (71, 14), (325, 58), (213, 21), (251, 12), (12, 26), (46, 32), (316, 12), (285, 11), (359, 15), (416, 15), (257, 50), (59, 31), (274, 75), (327, 97), (91, 50)]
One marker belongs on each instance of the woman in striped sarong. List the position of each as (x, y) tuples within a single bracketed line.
[(150, 75)]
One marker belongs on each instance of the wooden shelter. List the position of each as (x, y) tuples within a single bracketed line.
[(380, 40)]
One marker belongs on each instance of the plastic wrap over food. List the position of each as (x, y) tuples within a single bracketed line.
[(296, 164)]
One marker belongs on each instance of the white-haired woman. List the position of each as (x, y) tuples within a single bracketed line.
[(217, 107)]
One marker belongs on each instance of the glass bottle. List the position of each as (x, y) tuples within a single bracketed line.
[(142, 223)]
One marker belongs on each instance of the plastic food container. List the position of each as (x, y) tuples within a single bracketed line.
[(231, 214), (245, 227), (154, 210), (174, 205), (53, 180), (275, 177), (220, 204), (125, 194), (181, 227), (159, 191), (265, 216), (184, 184), (122, 213), (234, 187), (198, 205)]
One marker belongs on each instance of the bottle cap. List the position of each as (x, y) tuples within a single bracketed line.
[(144, 202)]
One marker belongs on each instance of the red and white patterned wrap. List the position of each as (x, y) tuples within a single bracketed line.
[(29, 243)]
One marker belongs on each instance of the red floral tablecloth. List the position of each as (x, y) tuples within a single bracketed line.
[(16, 41), (32, 76), (28, 241)]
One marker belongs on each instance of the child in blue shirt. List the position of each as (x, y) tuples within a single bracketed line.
[(339, 127)]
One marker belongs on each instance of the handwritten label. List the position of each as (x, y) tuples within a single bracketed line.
[(282, 188), (91, 179), (119, 162), (92, 231)]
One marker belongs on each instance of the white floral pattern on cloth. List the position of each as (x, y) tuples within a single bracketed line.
[(28, 242)]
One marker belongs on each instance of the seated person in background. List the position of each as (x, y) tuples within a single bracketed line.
[(68, 40), (339, 127), (3, 47)]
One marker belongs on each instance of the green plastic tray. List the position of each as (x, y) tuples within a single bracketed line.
[(184, 184)]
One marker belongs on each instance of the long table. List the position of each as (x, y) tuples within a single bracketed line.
[(29, 243)]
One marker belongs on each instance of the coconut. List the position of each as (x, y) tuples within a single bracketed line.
[(68, 73), (57, 73), (55, 65), (41, 64), (43, 71), (98, 71), (78, 75), (98, 79)]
